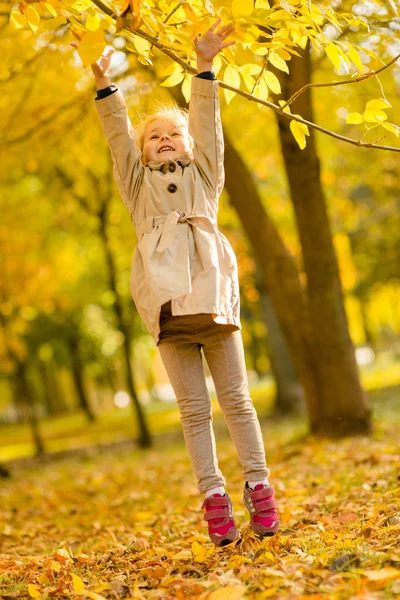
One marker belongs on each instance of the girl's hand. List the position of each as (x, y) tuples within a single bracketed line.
[(209, 44), (101, 66)]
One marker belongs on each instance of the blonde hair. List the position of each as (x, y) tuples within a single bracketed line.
[(168, 112)]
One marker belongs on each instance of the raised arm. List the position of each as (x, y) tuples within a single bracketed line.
[(204, 116), (117, 127)]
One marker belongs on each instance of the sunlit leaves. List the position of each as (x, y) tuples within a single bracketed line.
[(17, 19), (175, 75), (93, 22), (231, 77), (354, 118), (77, 583), (374, 115), (91, 47), (333, 54), (299, 131), (33, 18), (242, 8), (272, 82), (278, 62)]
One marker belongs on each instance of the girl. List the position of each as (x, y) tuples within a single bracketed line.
[(184, 276)]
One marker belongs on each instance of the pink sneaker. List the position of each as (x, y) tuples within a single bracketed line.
[(261, 505), (219, 515)]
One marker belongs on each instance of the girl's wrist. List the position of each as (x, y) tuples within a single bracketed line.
[(204, 65), (102, 82)]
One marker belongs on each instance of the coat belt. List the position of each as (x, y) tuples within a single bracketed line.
[(169, 222)]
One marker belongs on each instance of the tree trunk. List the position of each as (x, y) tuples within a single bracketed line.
[(144, 439), (289, 398), (78, 376), (278, 271), (26, 399), (342, 407)]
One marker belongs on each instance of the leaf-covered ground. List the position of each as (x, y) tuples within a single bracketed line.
[(128, 524)]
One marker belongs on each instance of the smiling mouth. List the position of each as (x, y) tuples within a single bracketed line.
[(166, 149)]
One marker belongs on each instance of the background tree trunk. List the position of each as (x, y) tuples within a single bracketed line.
[(78, 376), (342, 407), (289, 397), (144, 439)]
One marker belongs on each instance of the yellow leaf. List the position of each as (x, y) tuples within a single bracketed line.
[(392, 128), (386, 574), (43, 579), (378, 104), (299, 131), (262, 4), (51, 9), (199, 552), (229, 592), (182, 555), (231, 77), (78, 584), (272, 82), (91, 47), (55, 566), (354, 118), (278, 62), (209, 7), (186, 88), (261, 90), (93, 22), (33, 18), (242, 8), (174, 79), (54, 23), (374, 116), (17, 19), (355, 58), (333, 54), (33, 590)]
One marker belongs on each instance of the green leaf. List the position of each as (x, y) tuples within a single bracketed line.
[(299, 131), (242, 8), (278, 62), (354, 118), (272, 82), (333, 54)]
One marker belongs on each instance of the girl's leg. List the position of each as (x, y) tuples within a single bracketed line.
[(184, 365), (225, 357)]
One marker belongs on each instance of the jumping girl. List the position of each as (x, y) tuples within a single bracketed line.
[(184, 279)]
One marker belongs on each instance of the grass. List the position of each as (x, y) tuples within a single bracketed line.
[(73, 431)]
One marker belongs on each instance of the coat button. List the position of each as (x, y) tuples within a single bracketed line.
[(172, 188), (172, 167)]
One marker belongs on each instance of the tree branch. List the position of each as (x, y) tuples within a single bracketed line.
[(168, 52), (357, 79)]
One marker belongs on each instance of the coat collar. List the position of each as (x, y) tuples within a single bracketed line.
[(183, 160)]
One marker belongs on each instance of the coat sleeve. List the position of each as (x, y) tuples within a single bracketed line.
[(206, 130), (121, 138)]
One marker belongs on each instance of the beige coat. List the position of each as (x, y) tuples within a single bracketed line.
[(181, 255)]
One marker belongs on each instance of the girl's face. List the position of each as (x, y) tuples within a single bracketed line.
[(163, 140)]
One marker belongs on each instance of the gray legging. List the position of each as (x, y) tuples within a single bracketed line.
[(181, 341)]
